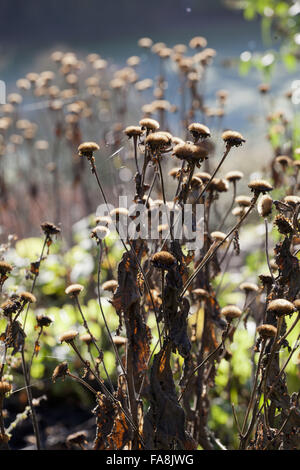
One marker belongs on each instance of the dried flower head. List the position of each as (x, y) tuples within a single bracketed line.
[(68, 336), (149, 124), (43, 320), (163, 260), (203, 175), (297, 304), (233, 176), (119, 211), (133, 131), (87, 149), (198, 42), (281, 307), (248, 287), (157, 141), (119, 340), (103, 220), (5, 388), (267, 331), (50, 229), (86, 338), (190, 152), (99, 232), (264, 206), (264, 88), (28, 297), (11, 306), (218, 236), (243, 201), (77, 438), (283, 224), (233, 138), (110, 285), (5, 267), (199, 131), (231, 312), (260, 186), (201, 294), (175, 172), (283, 160), (218, 184), (292, 200), (60, 371), (146, 43), (74, 289)]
